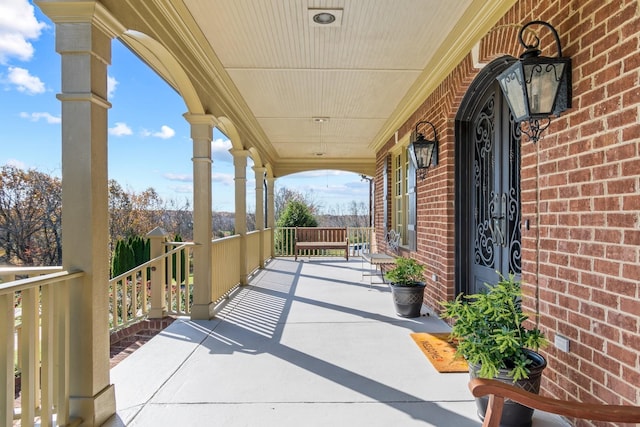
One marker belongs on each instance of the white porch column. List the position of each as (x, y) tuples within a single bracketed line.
[(271, 210), (240, 164), (202, 134), (259, 173), (83, 39)]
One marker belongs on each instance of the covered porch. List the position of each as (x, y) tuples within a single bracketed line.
[(310, 341), (304, 342)]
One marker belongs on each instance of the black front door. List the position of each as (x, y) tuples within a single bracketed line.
[(489, 222)]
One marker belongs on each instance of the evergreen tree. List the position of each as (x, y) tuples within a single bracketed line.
[(183, 263), (297, 214)]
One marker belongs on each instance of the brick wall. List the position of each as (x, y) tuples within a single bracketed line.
[(580, 183)]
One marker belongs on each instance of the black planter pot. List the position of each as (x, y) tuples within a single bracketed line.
[(514, 414), (407, 299)]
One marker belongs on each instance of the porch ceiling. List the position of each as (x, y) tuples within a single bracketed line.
[(266, 67)]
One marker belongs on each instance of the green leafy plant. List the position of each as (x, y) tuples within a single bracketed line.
[(129, 253), (297, 214), (489, 329), (407, 272)]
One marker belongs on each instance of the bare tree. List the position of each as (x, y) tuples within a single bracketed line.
[(223, 224), (30, 216), (284, 195), (353, 214), (120, 207), (135, 214)]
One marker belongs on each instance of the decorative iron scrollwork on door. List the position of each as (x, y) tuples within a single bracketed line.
[(483, 166), (513, 212), (496, 181), (498, 224)]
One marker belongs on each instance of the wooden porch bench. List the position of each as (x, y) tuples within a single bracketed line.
[(310, 238), (499, 391)]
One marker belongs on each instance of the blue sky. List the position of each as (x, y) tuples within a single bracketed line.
[(149, 144)]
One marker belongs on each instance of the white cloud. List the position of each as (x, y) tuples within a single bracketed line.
[(220, 145), (120, 129), (112, 83), (217, 177), (178, 177), (35, 117), (18, 25), (24, 81), (16, 164), (165, 132), (188, 189), (220, 150), (223, 178)]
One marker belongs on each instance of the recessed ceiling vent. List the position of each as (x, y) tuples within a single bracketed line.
[(325, 17)]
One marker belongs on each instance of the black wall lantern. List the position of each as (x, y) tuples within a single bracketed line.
[(424, 152), (537, 87)]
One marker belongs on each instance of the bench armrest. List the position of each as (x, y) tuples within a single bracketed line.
[(498, 391)]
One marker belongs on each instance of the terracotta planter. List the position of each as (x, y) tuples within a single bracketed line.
[(407, 299), (514, 414)]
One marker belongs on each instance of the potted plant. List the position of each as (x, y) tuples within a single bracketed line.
[(490, 334), (406, 280)]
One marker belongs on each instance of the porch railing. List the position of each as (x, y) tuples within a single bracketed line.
[(225, 271), (34, 314), (253, 250), (9, 274), (266, 249), (130, 294), (38, 307), (360, 239)]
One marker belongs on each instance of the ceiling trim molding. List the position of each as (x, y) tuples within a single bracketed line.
[(207, 64), (477, 20), (84, 11), (290, 166)]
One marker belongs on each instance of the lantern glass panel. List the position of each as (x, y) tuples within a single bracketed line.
[(512, 85), (424, 153), (543, 80)]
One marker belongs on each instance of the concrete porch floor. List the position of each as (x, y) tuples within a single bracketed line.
[(306, 343)]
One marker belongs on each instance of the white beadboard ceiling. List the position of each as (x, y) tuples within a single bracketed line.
[(366, 74)]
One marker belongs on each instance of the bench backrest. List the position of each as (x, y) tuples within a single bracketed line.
[(321, 234)]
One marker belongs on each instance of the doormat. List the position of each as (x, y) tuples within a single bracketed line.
[(440, 352)]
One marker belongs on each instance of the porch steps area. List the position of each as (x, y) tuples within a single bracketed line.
[(307, 342)]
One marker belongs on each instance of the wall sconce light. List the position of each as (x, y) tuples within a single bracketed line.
[(424, 152), (537, 87)]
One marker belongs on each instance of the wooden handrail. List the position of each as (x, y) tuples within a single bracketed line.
[(498, 391)]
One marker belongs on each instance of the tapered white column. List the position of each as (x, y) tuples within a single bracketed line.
[(83, 39), (240, 164), (259, 173), (271, 209), (202, 134)]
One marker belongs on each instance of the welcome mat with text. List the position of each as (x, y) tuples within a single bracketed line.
[(440, 352)]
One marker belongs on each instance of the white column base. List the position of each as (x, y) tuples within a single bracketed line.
[(94, 410), (202, 311), (157, 313)]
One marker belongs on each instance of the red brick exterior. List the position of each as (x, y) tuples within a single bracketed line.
[(582, 180)]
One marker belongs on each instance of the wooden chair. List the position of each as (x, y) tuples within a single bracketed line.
[(499, 391)]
